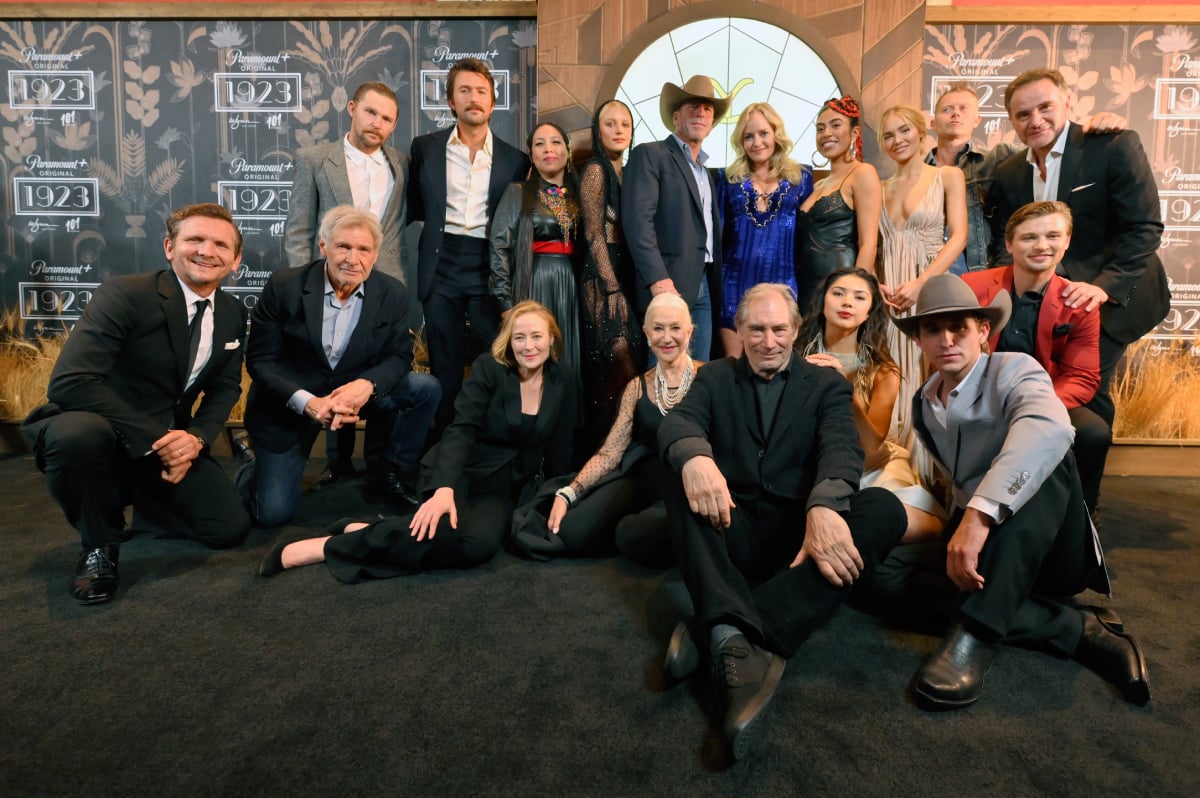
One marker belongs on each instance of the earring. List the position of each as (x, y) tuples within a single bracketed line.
[(816, 165)]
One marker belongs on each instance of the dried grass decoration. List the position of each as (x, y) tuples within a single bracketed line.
[(1156, 393), (25, 367)]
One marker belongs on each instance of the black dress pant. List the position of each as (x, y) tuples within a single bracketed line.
[(1111, 352), (741, 575), (1093, 438), (460, 298), (1044, 552), (90, 475), (627, 512), (387, 548)]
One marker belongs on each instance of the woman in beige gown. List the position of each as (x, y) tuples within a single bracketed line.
[(924, 229)]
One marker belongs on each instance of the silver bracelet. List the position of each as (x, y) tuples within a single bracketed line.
[(567, 494)]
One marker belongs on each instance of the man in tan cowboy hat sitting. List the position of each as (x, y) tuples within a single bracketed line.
[(669, 210), (1019, 535)]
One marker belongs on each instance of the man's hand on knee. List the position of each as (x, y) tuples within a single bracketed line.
[(828, 543), (962, 553), (707, 492)]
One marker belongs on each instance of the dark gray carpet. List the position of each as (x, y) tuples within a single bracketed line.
[(540, 679)]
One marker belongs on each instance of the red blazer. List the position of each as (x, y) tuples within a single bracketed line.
[(1068, 339)]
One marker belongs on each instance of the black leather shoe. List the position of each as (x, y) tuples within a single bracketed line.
[(335, 471), (539, 547), (953, 676), (242, 448), (96, 577), (682, 658), (748, 675), (397, 485), (1108, 650)]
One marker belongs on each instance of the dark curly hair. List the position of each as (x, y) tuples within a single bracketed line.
[(848, 107)]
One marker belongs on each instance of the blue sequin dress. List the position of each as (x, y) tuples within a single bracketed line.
[(759, 247)]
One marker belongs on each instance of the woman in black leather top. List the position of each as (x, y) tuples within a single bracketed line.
[(838, 224), (617, 497), (535, 238)]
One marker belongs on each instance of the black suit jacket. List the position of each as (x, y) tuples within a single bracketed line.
[(1107, 182), (486, 433), (126, 360), (427, 193), (812, 454), (663, 222), (285, 353)]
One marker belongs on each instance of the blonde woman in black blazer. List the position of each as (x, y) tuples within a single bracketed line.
[(516, 402)]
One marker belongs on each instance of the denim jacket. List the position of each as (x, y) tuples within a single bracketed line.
[(978, 166)]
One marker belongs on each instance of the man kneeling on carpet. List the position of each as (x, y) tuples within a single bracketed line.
[(765, 461), (1019, 536)]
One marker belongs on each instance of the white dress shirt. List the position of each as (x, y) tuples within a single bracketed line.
[(1047, 189), (371, 179), (467, 187)]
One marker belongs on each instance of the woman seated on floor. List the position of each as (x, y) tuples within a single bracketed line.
[(513, 421), (621, 487), (845, 329)]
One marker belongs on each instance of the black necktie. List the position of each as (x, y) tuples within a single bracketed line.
[(194, 336)]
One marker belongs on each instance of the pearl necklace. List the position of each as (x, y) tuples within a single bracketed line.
[(667, 398)]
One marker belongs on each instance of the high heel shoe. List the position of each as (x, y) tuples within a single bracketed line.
[(338, 526), (273, 563)]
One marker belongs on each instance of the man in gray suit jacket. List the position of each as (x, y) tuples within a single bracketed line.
[(360, 170), (357, 169), (1019, 535)]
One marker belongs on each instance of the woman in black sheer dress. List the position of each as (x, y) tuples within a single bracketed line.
[(614, 346)]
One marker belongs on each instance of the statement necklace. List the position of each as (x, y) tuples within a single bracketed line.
[(774, 202), (559, 202), (666, 398)]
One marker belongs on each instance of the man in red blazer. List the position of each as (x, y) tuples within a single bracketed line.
[(1064, 339)]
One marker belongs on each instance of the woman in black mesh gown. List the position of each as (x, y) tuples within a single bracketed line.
[(613, 342)]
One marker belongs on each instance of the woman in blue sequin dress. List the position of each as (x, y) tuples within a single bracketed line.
[(758, 196)]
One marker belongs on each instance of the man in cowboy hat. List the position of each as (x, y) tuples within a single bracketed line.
[(1019, 535), (669, 208)]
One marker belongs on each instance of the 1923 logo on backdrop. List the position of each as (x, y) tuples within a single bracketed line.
[(66, 90), (53, 196), (433, 89), (44, 301), (272, 92)]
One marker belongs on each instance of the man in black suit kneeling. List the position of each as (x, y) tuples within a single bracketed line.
[(119, 427), (769, 464)]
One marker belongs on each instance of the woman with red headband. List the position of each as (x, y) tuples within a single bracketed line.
[(838, 224)]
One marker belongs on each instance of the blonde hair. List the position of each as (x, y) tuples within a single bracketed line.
[(502, 347), (782, 165), (911, 115)]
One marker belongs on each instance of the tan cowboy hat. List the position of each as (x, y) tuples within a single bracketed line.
[(947, 293), (698, 87)]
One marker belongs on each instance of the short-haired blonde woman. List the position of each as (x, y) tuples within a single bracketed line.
[(617, 497), (513, 423)]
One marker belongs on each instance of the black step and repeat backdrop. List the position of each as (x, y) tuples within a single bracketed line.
[(107, 126), (1149, 74)]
